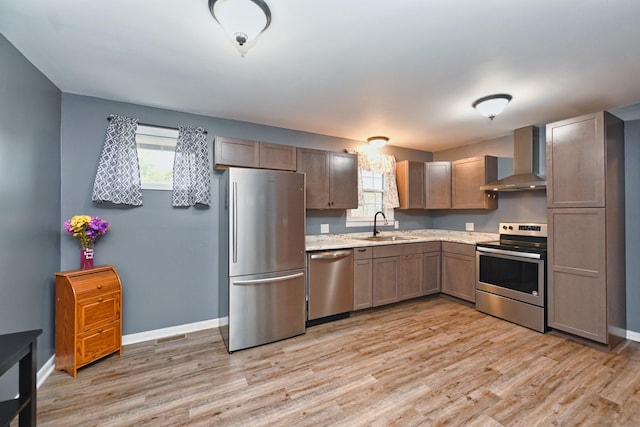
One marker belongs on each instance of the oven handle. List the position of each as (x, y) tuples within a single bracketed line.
[(505, 252)]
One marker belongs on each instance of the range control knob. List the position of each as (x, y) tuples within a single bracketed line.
[(504, 227), (510, 227)]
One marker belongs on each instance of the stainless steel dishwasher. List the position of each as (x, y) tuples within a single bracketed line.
[(330, 285)]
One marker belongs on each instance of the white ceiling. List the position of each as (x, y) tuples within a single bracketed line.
[(408, 69)]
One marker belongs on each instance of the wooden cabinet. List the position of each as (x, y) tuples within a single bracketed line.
[(467, 175), (437, 185), (88, 317), (410, 180), (397, 273), (253, 154), (459, 270), (332, 178), (431, 267), (362, 278), (585, 216)]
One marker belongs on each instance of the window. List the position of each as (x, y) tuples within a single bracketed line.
[(373, 189), (156, 150)]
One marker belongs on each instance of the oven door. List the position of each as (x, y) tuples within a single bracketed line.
[(510, 274)]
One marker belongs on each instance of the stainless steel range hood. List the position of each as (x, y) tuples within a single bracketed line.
[(526, 161)]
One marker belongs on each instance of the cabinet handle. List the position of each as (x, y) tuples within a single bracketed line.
[(362, 250), (99, 286), (99, 299), (100, 330)]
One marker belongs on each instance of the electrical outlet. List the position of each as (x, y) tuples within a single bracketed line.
[(324, 228), (468, 226), (396, 224)]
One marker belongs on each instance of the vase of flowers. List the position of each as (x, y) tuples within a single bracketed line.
[(87, 229)]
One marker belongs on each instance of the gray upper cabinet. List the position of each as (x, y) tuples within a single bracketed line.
[(437, 185), (332, 178), (253, 154), (410, 180), (467, 177)]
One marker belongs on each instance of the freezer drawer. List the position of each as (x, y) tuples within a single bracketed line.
[(265, 307), (330, 283)]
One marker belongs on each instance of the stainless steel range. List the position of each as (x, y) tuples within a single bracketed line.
[(512, 277)]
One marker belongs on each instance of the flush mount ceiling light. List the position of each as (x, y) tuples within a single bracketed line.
[(243, 20), (377, 141), (492, 105)]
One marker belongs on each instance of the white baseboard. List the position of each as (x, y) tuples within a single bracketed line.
[(633, 336), (171, 331), (45, 371)]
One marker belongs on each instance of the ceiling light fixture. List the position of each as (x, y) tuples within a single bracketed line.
[(377, 141), (243, 20), (492, 105)]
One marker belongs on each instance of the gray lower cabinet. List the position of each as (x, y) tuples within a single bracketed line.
[(410, 276), (431, 268), (459, 270), (397, 273), (362, 278)]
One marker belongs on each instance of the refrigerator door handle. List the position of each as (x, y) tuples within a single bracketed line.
[(235, 222), (268, 280), (331, 255)]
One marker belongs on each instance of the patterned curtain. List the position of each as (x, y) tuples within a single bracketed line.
[(380, 163), (191, 173), (118, 176)]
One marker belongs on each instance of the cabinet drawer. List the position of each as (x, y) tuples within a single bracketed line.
[(90, 285), (98, 310), (397, 250), (97, 343), (362, 253), (459, 248), (431, 247)]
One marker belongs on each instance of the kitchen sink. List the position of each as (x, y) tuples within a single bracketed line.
[(385, 238)]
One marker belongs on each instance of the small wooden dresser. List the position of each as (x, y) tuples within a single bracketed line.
[(88, 316)]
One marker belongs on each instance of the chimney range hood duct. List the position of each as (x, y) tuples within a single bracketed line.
[(526, 159)]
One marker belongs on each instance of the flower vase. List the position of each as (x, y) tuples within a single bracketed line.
[(86, 258)]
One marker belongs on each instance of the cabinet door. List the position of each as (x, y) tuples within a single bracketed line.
[(343, 192), (362, 283), (467, 177), (237, 152), (437, 185), (410, 180), (577, 294), (315, 164), (276, 156), (431, 273), (385, 280), (575, 162), (459, 276), (410, 276)]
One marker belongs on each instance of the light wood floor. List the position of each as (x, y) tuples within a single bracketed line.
[(425, 362)]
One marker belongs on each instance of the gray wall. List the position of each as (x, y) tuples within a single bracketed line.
[(632, 221), (167, 257), (30, 202)]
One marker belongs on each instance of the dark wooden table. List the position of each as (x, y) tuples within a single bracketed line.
[(20, 347)]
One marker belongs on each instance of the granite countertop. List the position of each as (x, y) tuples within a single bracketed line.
[(354, 240)]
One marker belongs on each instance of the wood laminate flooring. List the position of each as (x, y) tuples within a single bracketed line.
[(426, 362)]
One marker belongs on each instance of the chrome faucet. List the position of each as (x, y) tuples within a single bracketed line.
[(375, 218)]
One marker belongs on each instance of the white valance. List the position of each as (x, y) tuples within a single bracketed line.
[(379, 163)]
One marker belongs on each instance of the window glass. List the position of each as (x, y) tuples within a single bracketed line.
[(156, 151), (373, 189)]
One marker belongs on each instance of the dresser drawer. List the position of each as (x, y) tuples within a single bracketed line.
[(362, 253), (97, 343), (90, 285), (98, 310)]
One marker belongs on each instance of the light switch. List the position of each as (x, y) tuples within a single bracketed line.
[(324, 228)]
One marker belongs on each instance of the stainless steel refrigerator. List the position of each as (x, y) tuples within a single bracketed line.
[(262, 274)]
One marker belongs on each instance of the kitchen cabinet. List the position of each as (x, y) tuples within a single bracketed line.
[(459, 270), (431, 267), (88, 324), (397, 273), (437, 185), (362, 278), (253, 154), (410, 180), (585, 217), (467, 175), (332, 178)]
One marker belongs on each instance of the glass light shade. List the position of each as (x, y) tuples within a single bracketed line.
[(492, 105), (243, 20), (377, 141)]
